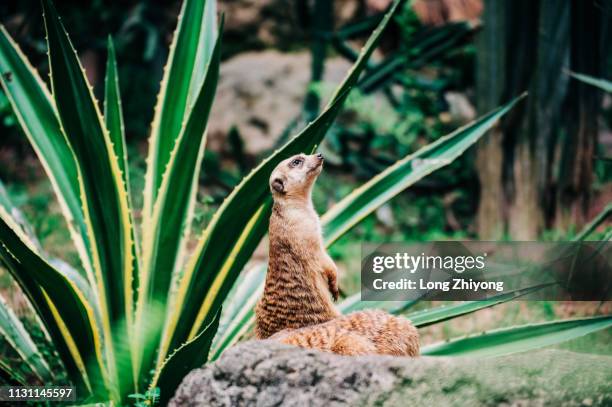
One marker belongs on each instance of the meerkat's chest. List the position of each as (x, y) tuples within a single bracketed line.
[(303, 222)]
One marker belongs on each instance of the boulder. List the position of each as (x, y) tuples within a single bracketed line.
[(265, 373)]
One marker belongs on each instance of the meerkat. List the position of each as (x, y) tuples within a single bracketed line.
[(296, 307)]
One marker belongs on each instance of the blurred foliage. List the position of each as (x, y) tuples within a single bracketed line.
[(394, 114), (141, 31)]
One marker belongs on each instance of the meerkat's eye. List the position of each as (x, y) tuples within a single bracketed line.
[(296, 162)]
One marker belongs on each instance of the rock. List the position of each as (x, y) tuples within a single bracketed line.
[(261, 93), (264, 373)]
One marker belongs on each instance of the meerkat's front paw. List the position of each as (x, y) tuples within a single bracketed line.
[(333, 288)]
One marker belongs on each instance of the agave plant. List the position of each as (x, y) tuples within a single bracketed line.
[(138, 311)]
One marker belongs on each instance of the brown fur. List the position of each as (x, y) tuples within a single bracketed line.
[(296, 307), (362, 332)]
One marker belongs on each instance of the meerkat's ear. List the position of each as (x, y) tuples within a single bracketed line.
[(278, 185)]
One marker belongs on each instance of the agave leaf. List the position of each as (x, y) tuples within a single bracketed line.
[(63, 308), (238, 315), (27, 232), (177, 191), (190, 53), (519, 339), (35, 111), (10, 375), (103, 192), (432, 316), (187, 357), (354, 303), (15, 333), (113, 115), (405, 172), (599, 83), (18, 216), (594, 224), (164, 237), (241, 221), (209, 33), (244, 324)]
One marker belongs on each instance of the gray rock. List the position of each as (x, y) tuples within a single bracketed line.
[(263, 373)]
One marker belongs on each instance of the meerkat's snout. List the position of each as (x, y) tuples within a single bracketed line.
[(295, 176), (317, 162)]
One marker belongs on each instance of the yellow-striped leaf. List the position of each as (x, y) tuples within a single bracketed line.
[(432, 316), (190, 53), (164, 235), (66, 313), (35, 111), (405, 172), (10, 375), (103, 192), (238, 315), (13, 331), (191, 355), (113, 114), (519, 339)]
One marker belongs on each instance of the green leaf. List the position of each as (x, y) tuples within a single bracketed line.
[(187, 357), (177, 192), (18, 216), (164, 235), (238, 315), (18, 338), (405, 172), (209, 33), (519, 339), (354, 303), (103, 192), (27, 232), (113, 115), (35, 111), (432, 316), (63, 308), (11, 375), (594, 224), (242, 220), (599, 83), (190, 53)]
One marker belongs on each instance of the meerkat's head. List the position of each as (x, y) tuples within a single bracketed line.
[(294, 177)]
